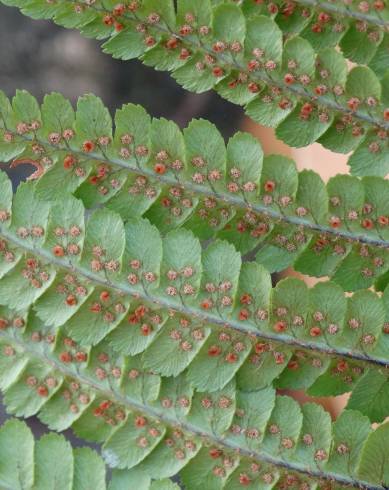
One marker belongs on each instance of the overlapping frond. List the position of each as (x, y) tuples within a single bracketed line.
[(227, 438), (121, 319), (246, 57), (51, 463), (359, 29), (150, 168), (354, 15), (177, 308)]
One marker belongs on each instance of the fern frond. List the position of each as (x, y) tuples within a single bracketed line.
[(163, 347), (52, 464), (283, 84), (150, 168), (358, 29), (229, 438), (370, 13), (125, 288)]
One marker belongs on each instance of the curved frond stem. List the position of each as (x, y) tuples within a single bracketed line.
[(210, 318), (235, 201), (346, 12), (232, 64), (160, 415), (229, 64)]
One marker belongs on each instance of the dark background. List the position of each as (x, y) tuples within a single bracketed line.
[(41, 57)]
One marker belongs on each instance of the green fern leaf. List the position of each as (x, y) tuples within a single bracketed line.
[(254, 203), (221, 48)]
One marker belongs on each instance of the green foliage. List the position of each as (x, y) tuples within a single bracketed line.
[(299, 84), (120, 341), (127, 309), (276, 438), (130, 291), (51, 463), (192, 179)]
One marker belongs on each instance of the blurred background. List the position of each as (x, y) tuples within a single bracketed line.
[(41, 57)]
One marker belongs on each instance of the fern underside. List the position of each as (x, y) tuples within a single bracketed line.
[(136, 298)]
